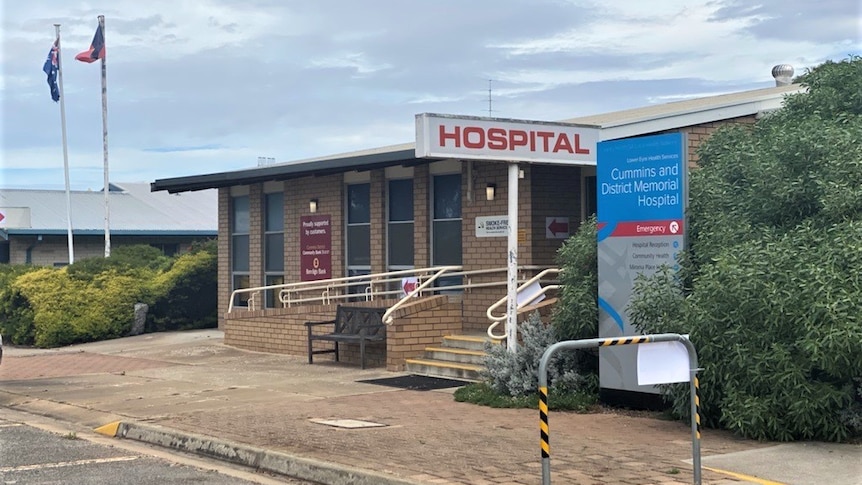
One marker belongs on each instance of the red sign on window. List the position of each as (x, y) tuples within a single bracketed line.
[(315, 244)]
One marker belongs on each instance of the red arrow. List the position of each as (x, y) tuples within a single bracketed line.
[(558, 227), (2, 217)]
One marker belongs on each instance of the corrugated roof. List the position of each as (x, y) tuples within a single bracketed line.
[(134, 210), (679, 108), (617, 124)]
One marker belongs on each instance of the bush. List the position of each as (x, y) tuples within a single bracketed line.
[(16, 316), (123, 259), (771, 291), (68, 311), (94, 299), (517, 373), (187, 294), (577, 315)]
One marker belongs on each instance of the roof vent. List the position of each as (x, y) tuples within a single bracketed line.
[(783, 74)]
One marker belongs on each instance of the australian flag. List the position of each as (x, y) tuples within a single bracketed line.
[(52, 65), (96, 50)]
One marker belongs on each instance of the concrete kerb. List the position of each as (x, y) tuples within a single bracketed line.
[(256, 458)]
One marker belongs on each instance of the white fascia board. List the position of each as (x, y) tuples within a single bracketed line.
[(693, 117)]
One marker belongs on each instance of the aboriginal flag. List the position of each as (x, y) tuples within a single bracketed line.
[(97, 48)]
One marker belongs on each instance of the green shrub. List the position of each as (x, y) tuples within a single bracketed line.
[(16, 316), (516, 373), (67, 311), (187, 294), (771, 289), (123, 259), (577, 314)]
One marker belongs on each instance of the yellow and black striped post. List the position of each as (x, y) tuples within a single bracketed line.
[(543, 422), (608, 342)]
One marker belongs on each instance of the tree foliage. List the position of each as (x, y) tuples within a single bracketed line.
[(771, 288)]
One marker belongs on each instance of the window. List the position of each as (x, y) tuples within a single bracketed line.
[(358, 232), (590, 197), (239, 232), (273, 245), (400, 225), (446, 224)]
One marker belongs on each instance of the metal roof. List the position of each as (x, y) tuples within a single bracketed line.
[(135, 210), (618, 124)]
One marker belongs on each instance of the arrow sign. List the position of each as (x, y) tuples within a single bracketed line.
[(2, 217), (556, 227)]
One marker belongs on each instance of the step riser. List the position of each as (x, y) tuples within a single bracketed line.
[(446, 372), (463, 344), (455, 357)]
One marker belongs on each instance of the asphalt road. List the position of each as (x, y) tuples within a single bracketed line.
[(37, 456)]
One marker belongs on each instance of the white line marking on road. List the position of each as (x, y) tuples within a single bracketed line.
[(24, 468)]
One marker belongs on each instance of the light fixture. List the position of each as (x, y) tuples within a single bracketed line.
[(490, 190), (312, 206)]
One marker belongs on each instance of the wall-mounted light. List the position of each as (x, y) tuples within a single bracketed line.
[(490, 191), (312, 206)]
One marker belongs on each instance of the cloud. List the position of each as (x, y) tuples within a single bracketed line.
[(199, 87)]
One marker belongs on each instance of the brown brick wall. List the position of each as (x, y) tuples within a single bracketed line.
[(697, 134), (224, 283), (283, 331)]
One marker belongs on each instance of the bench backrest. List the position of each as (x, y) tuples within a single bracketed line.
[(350, 319)]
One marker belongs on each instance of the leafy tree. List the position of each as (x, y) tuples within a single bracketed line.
[(771, 289)]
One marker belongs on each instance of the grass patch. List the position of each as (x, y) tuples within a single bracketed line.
[(484, 395)]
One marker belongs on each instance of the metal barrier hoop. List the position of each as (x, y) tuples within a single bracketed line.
[(544, 429)]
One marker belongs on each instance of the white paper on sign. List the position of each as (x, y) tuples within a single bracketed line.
[(662, 363)]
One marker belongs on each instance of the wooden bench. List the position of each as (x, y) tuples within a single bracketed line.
[(351, 325)]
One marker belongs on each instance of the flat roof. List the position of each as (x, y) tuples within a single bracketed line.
[(613, 125)]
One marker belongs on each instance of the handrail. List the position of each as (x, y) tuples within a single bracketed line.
[(496, 319), (387, 316), (328, 290), (375, 286)]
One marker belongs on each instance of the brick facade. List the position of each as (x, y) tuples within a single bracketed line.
[(546, 191)]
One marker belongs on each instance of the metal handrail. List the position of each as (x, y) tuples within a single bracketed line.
[(327, 291), (387, 316), (496, 319)]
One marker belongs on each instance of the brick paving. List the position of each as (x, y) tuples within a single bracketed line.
[(70, 364), (429, 438)]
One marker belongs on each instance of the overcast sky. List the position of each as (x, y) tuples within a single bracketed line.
[(203, 86)]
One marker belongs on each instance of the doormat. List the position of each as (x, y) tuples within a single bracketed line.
[(416, 383)]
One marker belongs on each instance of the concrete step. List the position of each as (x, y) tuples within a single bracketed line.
[(441, 368), (467, 342), (451, 354)]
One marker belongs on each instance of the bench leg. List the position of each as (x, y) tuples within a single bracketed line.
[(310, 352), (362, 352), (336, 352)]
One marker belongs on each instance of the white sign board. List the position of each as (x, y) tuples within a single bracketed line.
[(15, 217), (556, 227), (408, 285), (662, 363), (492, 226), (479, 138)]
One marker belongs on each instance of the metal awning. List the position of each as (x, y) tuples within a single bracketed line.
[(363, 160)]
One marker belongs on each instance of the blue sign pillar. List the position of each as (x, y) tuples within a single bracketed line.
[(641, 186)]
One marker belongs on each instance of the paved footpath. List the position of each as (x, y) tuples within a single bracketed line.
[(191, 382)]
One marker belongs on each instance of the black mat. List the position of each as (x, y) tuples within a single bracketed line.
[(416, 383)]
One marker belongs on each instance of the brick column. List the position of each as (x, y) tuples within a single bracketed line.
[(377, 199), (224, 262), (255, 237), (421, 228)]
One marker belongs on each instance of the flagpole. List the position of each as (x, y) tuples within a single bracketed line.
[(65, 147), (105, 145)]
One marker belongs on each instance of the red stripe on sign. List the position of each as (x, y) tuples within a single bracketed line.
[(648, 228)]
